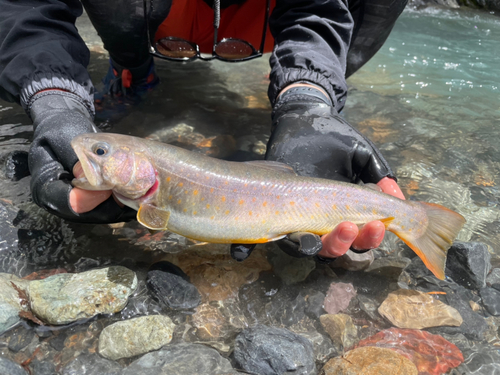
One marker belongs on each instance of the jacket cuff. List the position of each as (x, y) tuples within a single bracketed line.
[(84, 94), (293, 75)]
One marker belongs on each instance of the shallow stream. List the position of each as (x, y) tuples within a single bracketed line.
[(430, 100)]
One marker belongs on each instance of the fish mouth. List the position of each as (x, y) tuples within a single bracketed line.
[(90, 168)]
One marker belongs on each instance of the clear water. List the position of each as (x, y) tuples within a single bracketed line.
[(429, 99)]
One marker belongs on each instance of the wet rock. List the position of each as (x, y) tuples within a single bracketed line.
[(412, 309), (135, 336), (19, 338), (272, 351), (255, 296), (370, 307), (180, 359), (341, 329), (215, 274), (9, 367), (43, 368), (370, 360), (290, 269), (209, 322), (64, 298), (468, 264), (432, 354), (389, 266), (287, 309), (480, 360), (491, 300), (493, 279), (91, 364), (322, 344), (338, 297), (314, 306), (11, 302), (352, 261), (57, 342), (173, 291)]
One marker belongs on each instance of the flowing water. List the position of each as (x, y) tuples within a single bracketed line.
[(429, 99)]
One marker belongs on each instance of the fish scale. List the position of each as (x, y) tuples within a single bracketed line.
[(219, 201)]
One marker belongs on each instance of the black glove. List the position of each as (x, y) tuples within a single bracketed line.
[(309, 135), (57, 117)]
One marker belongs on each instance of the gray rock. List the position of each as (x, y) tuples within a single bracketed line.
[(135, 336), (66, 297), (352, 261), (10, 302), (468, 264), (491, 300), (482, 360), (8, 367), (274, 351), (19, 338), (314, 307), (290, 269), (173, 291), (493, 279), (43, 368), (91, 364), (181, 359)]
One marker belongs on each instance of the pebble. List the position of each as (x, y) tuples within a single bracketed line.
[(173, 291), (20, 338), (341, 329), (67, 297), (491, 300), (493, 278), (8, 367), (135, 336), (92, 364), (352, 261), (291, 270), (413, 309), (338, 297), (273, 351), (370, 360), (468, 264), (181, 359)]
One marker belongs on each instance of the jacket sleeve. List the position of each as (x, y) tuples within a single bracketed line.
[(40, 48), (311, 42)]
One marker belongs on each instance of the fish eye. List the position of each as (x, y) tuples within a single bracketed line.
[(100, 149)]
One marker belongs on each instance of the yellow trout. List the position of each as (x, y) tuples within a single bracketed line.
[(219, 201)]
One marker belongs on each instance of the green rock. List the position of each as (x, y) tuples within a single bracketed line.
[(11, 303), (135, 336), (66, 297)]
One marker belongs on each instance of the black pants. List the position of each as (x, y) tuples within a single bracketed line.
[(121, 26)]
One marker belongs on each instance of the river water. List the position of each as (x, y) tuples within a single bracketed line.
[(429, 99)]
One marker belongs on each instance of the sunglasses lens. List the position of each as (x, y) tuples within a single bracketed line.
[(233, 49), (175, 48)]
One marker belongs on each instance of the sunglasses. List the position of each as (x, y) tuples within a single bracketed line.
[(227, 49)]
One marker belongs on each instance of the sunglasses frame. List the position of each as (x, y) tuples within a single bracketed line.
[(255, 53)]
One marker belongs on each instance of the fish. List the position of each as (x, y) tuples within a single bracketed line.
[(219, 201)]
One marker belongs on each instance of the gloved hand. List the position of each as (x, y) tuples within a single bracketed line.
[(57, 117), (309, 135)]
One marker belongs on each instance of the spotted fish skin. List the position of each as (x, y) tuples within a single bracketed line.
[(232, 202)]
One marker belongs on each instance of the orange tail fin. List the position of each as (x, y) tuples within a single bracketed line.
[(432, 247)]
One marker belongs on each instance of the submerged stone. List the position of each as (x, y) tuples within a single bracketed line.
[(291, 270), (135, 336), (66, 297), (274, 351), (468, 264), (173, 291), (92, 364), (413, 309), (9, 367), (181, 359), (491, 300), (493, 279), (341, 329), (432, 354), (370, 360), (338, 297), (12, 300), (352, 261)]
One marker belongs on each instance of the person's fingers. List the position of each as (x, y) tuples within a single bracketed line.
[(337, 242), (389, 186), (370, 236), (86, 200)]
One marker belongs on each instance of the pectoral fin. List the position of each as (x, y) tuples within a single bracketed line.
[(152, 217)]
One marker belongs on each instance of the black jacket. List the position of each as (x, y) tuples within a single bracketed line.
[(40, 48)]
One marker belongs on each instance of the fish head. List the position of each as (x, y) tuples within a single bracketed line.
[(114, 162)]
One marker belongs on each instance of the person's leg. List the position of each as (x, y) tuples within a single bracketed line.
[(373, 22), (122, 27)]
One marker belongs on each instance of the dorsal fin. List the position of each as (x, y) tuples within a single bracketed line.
[(272, 165)]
